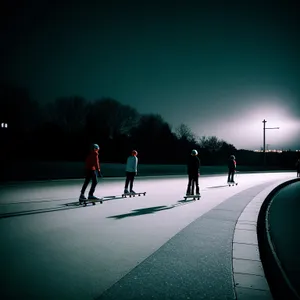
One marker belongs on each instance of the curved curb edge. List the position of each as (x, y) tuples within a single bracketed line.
[(248, 270), (276, 276)]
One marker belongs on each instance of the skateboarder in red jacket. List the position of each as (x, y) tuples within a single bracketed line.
[(231, 169), (92, 172)]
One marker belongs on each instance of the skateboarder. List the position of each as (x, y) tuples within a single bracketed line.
[(193, 166), (92, 172), (131, 171), (298, 167), (231, 169)]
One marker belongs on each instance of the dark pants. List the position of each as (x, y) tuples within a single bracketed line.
[(129, 179), (193, 180), (231, 175), (298, 173), (90, 175)]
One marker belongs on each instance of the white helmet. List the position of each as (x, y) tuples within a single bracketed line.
[(194, 152)]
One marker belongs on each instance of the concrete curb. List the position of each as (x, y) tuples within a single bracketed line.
[(280, 285), (248, 273)]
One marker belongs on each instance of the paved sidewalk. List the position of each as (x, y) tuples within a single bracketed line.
[(215, 257)]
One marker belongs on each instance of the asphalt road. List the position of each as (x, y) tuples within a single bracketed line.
[(284, 228), (152, 247)]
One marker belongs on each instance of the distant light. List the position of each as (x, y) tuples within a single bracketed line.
[(274, 151), (4, 125)]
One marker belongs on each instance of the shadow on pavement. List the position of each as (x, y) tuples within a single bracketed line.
[(182, 202), (75, 204), (217, 186), (37, 211), (141, 211), (150, 210), (34, 201), (110, 198)]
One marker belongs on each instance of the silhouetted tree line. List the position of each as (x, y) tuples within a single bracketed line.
[(65, 129)]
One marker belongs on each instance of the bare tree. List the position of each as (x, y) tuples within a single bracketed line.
[(211, 143), (113, 118), (69, 113), (153, 136), (152, 130), (183, 132)]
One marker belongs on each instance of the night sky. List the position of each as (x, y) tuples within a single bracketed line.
[(221, 67)]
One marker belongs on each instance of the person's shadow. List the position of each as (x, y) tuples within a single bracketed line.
[(141, 211), (149, 210), (216, 186)]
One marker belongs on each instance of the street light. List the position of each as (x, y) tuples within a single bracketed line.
[(4, 125), (264, 137)]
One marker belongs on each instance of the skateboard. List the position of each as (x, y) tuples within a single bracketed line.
[(192, 196), (233, 183), (133, 194), (85, 202)]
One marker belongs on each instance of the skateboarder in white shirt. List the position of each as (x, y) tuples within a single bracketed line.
[(131, 171)]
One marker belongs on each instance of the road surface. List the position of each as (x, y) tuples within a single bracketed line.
[(283, 221), (156, 246)]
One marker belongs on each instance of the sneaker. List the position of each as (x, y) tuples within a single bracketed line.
[(92, 197), (126, 191), (82, 198), (132, 192)]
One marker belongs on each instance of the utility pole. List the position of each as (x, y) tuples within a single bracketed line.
[(264, 141), (264, 138)]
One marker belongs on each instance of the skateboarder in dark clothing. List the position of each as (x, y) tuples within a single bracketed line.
[(193, 166), (92, 172), (231, 169), (298, 167)]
